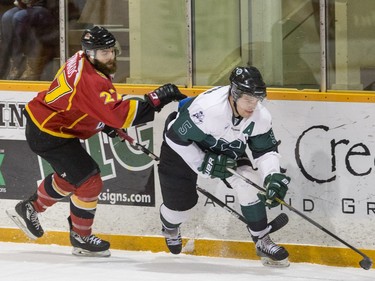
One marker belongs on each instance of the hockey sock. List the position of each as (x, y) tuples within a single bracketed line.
[(168, 224), (256, 216), (83, 205), (52, 189), (172, 218)]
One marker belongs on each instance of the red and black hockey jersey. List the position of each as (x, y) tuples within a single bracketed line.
[(80, 100)]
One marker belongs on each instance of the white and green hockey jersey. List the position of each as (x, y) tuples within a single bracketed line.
[(207, 123)]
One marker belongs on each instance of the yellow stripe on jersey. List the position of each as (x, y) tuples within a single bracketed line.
[(131, 114), (83, 205), (77, 121), (52, 133)]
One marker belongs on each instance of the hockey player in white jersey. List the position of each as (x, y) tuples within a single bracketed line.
[(210, 133)]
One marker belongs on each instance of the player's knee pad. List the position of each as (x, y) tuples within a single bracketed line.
[(55, 187), (61, 185), (246, 193), (90, 189), (174, 217), (52, 189)]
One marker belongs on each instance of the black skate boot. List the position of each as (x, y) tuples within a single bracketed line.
[(270, 253), (172, 239), (89, 246), (26, 218)]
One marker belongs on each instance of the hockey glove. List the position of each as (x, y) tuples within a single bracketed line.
[(111, 132), (164, 95), (276, 187), (216, 165)]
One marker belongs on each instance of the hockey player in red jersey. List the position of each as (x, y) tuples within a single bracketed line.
[(210, 133), (80, 102)]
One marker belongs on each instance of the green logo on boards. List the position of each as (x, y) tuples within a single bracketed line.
[(126, 155), (2, 181)]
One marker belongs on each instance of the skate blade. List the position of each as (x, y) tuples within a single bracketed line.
[(84, 253), (274, 263), (20, 223)]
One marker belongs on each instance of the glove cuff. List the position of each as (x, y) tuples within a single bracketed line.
[(153, 99)]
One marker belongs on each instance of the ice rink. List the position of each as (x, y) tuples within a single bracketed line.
[(31, 262)]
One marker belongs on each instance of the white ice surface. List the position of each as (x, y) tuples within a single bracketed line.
[(31, 262)]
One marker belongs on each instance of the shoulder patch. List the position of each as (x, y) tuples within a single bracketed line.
[(197, 117)]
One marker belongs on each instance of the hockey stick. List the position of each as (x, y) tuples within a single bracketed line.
[(222, 204), (277, 223), (365, 263), (124, 136)]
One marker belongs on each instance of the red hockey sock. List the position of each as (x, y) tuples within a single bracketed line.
[(51, 190)]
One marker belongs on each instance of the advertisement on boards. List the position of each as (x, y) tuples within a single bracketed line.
[(127, 173), (328, 149)]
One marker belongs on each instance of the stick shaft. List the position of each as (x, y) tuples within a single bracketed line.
[(222, 204), (282, 202), (125, 136)]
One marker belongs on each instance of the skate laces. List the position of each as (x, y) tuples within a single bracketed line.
[(266, 245), (172, 236), (92, 239), (174, 241), (33, 216)]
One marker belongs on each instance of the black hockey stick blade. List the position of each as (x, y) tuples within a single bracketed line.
[(279, 222), (365, 263)]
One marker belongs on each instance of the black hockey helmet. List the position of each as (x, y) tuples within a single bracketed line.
[(97, 38), (247, 81)]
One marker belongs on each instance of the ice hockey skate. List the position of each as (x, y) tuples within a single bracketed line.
[(88, 246), (26, 218), (172, 239), (270, 253)]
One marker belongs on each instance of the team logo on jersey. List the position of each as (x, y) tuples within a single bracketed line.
[(100, 126), (197, 117)]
